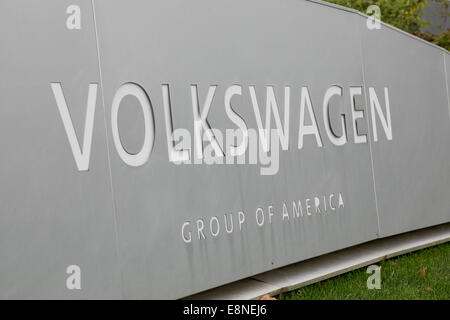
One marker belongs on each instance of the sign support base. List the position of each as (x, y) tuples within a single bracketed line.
[(327, 266)]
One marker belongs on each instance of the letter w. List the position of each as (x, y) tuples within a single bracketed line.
[(81, 156)]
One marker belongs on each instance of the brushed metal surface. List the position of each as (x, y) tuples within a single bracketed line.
[(122, 224)]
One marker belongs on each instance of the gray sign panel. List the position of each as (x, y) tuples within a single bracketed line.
[(52, 215), (114, 214), (411, 172), (154, 200)]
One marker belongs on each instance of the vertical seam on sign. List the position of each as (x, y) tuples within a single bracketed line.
[(368, 126), (107, 151), (446, 83)]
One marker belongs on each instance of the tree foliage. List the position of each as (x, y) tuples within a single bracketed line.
[(403, 14)]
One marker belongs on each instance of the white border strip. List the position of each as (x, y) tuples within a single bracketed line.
[(330, 265)]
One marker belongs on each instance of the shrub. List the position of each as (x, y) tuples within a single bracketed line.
[(403, 14), (443, 40)]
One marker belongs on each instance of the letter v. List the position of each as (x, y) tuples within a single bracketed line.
[(81, 156)]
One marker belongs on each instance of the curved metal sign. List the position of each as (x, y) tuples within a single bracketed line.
[(157, 149)]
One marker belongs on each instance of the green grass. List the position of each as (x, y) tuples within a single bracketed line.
[(400, 279)]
